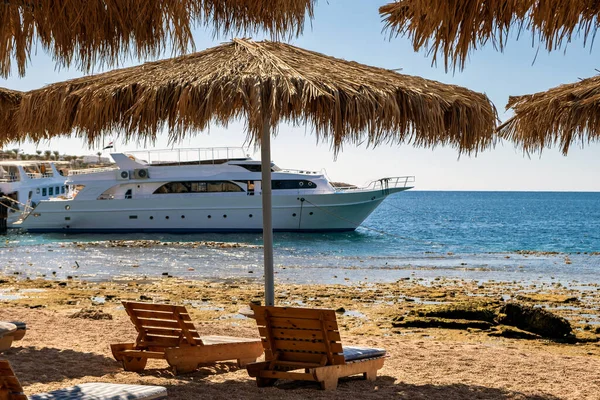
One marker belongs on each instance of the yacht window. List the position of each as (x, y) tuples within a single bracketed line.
[(62, 190), (57, 190), (292, 184), (198, 187), (128, 194), (257, 167), (50, 191), (44, 193)]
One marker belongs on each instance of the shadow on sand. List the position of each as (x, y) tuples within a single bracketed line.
[(384, 388), (35, 365)]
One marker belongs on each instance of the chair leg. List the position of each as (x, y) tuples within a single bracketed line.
[(134, 364), (329, 383), (184, 367), (264, 382), (370, 375), (242, 362)]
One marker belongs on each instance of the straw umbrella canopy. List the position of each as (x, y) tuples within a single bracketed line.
[(9, 100), (264, 83), (452, 28), (564, 116), (93, 32)]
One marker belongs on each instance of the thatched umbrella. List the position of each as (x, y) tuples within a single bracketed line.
[(265, 83), (95, 32), (9, 100), (562, 116), (455, 27)]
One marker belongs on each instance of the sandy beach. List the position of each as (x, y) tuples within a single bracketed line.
[(423, 363)]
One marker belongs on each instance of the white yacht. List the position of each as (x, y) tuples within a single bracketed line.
[(210, 194), (23, 184)]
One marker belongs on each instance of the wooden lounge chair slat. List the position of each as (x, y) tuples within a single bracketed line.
[(299, 338), (307, 334), (166, 331), (207, 340), (301, 313), (296, 323), (298, 364), (145, 353), (288, 375), (160, 331), (307, 357), (159, 323), (159, 341), (329, 346), (156, 307), (302, 345), (159, 316)]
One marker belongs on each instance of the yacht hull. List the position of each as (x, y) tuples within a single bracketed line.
[(341, 211)]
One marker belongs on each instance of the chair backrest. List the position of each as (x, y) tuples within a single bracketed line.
[(161, 325), (301, 337), (10, 388)]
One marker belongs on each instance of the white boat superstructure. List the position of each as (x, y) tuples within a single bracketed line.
[(205, 195), (23, 184)]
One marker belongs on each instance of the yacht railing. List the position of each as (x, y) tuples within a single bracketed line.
[(383, 184), (299, 171), (90, 170), (38, 175), (391, 182), (9, 179), (189, 156)]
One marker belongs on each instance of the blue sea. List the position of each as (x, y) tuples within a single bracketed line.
[(524, 236)]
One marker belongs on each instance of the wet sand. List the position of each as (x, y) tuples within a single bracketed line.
[(430, 363)]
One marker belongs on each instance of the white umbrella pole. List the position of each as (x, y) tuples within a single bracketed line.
[(265, 153)]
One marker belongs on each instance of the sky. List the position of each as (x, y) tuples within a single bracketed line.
[(353, 30)]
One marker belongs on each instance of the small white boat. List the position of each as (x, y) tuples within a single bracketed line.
[(23, 184), (205, 195)]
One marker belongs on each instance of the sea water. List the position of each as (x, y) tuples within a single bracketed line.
[(524, 236)]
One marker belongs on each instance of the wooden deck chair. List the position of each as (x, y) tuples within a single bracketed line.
[(308, 339), (166, 332), (11, 389)]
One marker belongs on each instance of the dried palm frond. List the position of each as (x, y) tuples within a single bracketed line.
[(563, 116), (452, 28), (282, 18), (262, 81), (98, 32), (9, 100)]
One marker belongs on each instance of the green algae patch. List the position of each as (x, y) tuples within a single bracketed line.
[(547, 298), (473, 311), (512, 333), (433, 322), (535, 320)]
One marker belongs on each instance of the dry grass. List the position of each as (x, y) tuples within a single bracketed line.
[(96, 32), (262, 81), (453, 28), (562, 116)]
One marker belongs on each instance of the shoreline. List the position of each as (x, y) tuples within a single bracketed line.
[(371, 304), (217, 261)]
